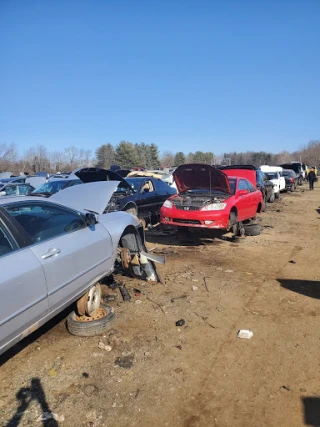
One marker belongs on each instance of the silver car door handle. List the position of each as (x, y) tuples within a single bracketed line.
[(51, 253)]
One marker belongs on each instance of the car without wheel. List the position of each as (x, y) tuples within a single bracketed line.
[(55, 251), (291, 179), (208, 198)]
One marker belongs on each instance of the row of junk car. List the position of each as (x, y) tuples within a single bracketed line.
[(59, 240)]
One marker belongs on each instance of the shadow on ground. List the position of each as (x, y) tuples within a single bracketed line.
[(25, 396), (311, 406), (309, 288), (188, 237)]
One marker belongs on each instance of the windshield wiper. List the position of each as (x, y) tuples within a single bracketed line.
[(41, 194)]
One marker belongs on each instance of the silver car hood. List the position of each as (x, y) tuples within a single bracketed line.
[(93, 197)]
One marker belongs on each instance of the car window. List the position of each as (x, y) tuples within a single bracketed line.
[(77, 182), (242, 185), (6, 242), (44, 221), (251, 187), (147, 186)]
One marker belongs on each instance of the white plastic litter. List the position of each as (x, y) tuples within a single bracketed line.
[(245, 334)]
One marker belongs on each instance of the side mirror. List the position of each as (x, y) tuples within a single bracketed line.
[(146, 190), (243, 192), (90, 219)]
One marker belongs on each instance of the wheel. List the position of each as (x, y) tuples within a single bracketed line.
[(233, 226), (90, 302), (277, 195), (85, 326), (252, 229), (264, 207), (272, 197), (292, 188)]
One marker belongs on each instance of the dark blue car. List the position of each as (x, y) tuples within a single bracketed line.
[(140, 196)]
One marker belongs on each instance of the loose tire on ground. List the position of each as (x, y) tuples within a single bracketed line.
[(84, 326), (252, 229)]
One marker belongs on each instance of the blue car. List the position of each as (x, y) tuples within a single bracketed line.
[(140, 196)]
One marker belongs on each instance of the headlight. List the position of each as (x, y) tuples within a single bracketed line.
[(214, 207), (167, 204)]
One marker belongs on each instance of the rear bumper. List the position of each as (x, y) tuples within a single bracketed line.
[(197, 219)]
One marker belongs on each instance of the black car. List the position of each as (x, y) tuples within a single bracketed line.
[(140, 196), (265, 186), (262, 182), (291, 178), (297, 168)]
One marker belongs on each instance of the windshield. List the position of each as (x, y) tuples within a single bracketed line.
[(50, 187), (272, 175), (286, 173)]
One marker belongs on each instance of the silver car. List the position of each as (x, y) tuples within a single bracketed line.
[(53, 251)]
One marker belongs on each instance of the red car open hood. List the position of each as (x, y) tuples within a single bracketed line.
[(242, 171), (197, 176)]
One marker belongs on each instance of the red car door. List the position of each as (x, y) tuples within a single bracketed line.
[(255, 199), (243, 197)]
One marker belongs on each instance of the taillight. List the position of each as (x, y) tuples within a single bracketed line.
[(291, 179)]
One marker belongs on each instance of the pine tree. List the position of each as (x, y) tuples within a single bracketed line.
[(179, 159), (126, 155), (105, 155), (154, 156)]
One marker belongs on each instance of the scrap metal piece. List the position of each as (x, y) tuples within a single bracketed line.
[(154, 257)]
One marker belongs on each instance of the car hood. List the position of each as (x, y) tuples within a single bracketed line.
[(99, 174), (93, 197), (197, 176)]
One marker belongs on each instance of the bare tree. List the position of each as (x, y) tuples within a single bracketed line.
[(167, 159), (36, 159), (57, 161), (8, 156)]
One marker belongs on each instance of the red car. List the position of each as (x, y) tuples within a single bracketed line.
[(209, 198)]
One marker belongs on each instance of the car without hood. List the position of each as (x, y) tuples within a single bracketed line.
[(208, 198), (55, 251)]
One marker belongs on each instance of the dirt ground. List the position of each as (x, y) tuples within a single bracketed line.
[(199, 374)]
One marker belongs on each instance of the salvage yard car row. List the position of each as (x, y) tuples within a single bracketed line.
[(56, 250)]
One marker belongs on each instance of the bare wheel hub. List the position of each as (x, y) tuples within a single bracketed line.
[(90, 302)]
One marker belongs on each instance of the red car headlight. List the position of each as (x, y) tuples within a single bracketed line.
[(214, 207)]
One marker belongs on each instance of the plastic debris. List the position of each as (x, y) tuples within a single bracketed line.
[(194, 288), (245, 334), (104, 346)]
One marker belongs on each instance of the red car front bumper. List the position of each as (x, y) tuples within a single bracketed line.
[(200, 219)]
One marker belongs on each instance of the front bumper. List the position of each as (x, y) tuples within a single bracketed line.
[(197, 219)]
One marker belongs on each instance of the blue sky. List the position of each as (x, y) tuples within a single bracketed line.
[(187, 75)]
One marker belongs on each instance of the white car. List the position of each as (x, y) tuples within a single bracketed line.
[(274, 174), (55, 251)]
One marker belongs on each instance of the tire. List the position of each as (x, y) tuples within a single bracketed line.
[(272, 197), (82, 326), (252, 229), (264, 207), (277, 195), (233, 226), (292, 188)]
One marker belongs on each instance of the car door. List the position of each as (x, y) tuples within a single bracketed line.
[(147, 199), (71, 253), (23, 290), (243, 200), (255, 199)]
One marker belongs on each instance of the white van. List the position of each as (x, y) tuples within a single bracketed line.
[(274, 174)]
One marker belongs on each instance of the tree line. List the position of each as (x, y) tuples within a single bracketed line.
[(129, 155)]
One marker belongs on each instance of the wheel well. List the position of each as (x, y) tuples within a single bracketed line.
[(234, 210), (130, 205), (259, 208), (131, 239)]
